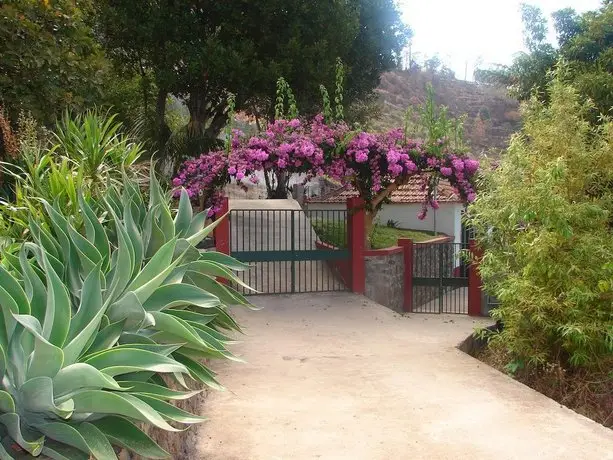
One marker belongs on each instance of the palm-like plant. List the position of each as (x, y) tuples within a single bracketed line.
[(92, 317)]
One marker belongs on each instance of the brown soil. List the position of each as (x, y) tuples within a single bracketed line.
[(589, 393)]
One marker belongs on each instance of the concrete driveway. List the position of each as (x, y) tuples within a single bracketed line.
[(339, 377)]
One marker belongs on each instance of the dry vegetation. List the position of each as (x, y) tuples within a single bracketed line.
[(589, 393), (491, 116)]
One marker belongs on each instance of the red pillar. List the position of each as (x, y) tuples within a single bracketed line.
[(474, 280), (407, 245), (355, 242), (222, 231)]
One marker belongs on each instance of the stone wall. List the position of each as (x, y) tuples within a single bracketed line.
[(385, 277)]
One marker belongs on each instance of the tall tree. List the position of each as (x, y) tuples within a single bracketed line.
[(202, 50), (49, 58)]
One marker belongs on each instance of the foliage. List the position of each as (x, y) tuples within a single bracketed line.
[(381, 237), (49, 58), (202, 54), (391, 223), (373, 164), (93, 316), (544, 219), (86, 153), (585, 42)]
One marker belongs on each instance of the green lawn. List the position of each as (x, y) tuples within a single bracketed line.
[(334, 233)]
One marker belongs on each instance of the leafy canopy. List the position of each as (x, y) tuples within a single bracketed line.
[(544, 218)]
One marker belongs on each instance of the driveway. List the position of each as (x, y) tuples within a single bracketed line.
[(335, 376)]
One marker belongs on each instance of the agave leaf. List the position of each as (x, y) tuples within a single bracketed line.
[(192, 316), (7, 403), (121, 274), (12, 422), (106, 338), (134, 234), (50, 245), (98, 444), (222, 259), (169, 411), (202, 234), (87, 319), (13, 288), (175, 295), (106, 402), (88, 254), (217, 270), (94, 230), (199, 372), (81, 376), (58, 451), (178, 328), (160, 261), (46, 359), (4, 455), (36, 292), (197, 224), (184, 215), (186, 251), (156, 391), (58, 310), (36, 395), (64, 433), (2, 359), (225, 294), (129, 309), (118, 361), (153, 235), (16, 362), (125, 434), (9, 308)]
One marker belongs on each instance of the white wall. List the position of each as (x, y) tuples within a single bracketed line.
[(446, 219)]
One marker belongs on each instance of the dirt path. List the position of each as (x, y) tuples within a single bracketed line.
[(339, 377)]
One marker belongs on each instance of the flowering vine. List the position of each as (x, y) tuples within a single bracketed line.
[(374, 164)]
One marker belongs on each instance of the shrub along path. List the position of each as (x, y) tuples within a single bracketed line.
[(335, 376)]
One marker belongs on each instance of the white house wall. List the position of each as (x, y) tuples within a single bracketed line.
[(448, 217)]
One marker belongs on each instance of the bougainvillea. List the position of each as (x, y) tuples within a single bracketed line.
[(375, 164)]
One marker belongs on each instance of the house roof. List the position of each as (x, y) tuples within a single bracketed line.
[(411, 192)]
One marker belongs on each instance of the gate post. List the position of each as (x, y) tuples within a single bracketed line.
[(222, 231), (407, 246), (474, 279), (355, 242)]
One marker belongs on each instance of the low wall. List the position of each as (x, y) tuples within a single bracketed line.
[(385, 277)]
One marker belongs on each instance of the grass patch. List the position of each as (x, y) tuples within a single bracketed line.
[(381, 237)]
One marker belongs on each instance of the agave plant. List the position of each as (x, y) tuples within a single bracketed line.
[(92, 317)]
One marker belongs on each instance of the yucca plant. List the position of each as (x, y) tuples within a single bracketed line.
[(92, 317)]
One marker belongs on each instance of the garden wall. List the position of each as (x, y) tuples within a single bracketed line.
[(385, 277)]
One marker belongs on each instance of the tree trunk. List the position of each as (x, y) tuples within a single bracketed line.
[(163, 131), (369, 223)]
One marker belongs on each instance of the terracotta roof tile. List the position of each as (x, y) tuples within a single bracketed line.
[(411, 192)]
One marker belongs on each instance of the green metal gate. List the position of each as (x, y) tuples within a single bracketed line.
[(289, 250), (440, 278)]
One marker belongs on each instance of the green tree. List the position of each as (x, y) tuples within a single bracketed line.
[(49, 58), (543, 217), (202, 51), (584, 41)]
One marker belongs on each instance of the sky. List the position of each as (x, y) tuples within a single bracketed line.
[(466, 31)]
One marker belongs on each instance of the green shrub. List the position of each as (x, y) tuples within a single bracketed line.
[(93, 316), (544, 219), (86, 153)]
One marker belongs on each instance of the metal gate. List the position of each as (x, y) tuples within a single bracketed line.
[(440, 278), (290, 250)]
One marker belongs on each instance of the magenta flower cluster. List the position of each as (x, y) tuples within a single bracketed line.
[(372, 163)]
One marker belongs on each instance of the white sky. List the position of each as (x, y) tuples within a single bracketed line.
[(461, 31)]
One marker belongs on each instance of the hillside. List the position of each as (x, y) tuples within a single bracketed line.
[(491, 116)]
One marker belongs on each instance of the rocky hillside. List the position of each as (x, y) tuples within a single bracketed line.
[(491, 116)]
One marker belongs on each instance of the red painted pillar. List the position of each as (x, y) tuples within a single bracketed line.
[(407, 245), (474, 280), (222, 231), (355, 242)]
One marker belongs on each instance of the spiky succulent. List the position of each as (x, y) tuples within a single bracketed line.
[(92, 317)]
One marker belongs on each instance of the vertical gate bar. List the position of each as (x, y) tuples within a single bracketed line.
[(293, 253), (274, 242), (440, 274)]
